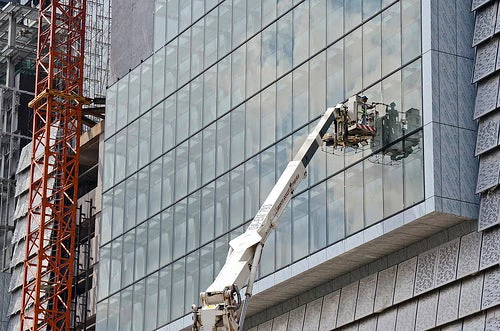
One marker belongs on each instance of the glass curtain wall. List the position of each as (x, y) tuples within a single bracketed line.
[(197, 135)]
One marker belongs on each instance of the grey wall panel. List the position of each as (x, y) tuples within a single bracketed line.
[(313, 315), (348, 296), (470, 295), (470, 250), (407, 314), (466, 93), (267, 326), (492, 320), (485, 23), (448, 304), (447, 29), (296, 319), (489, 212), (469, 166), (447, 262), (489, 168), (487, 135), (475, 322), (280, 323), (465, 25), (385, 288), (485, 60), (476, 4), (368, 324), (448, 89), (366, 296), (131, 35), (491, 288), (329, 311), (487, 96), (426, 271), (455, 326), (387, 319), (490, 248), (426, 311), (405, 280)]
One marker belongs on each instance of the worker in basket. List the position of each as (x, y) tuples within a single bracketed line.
[(364, 108)]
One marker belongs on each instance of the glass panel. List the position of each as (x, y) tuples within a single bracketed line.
[(370, 7), (164, 295), (267, 116), (317, 18), (180, 228), (268, 11), (206, 265), (253, 17), (237, 197), (116, 265), (182, 131), (335, 74), (151, 304), (267, 175), (353, 67), (156, 131), (374, 204), (184, 49), (252, 187), (412, 95), (102, 315), (237, 135), (144, 139), (284, 106), (252, 126), (352, 14), (391, 93), (138, 309), (239, 23), (141, 242), (208, 212), (121, 107), (354, 198), (184, 14), (210, 38), (208, 171), (155, 187), (118, 206), (107, 212), (146, 84), (238, 76), (125, 310), (159, 75), (253, 64), (209, 95), (195, 164), (172, 18), (111, 101), (284, 239), (109, 163), (393, 187), (114, 312), (317, 219), (335, 19), (298, 139), (153, 244), (221, 205), (171, 67), (283, 6), (181, 170), (300, 33), (168, 178), (221, 248), (128, 259), (178, 282), (166, 239), (192, 281), (130, 203), (284, 44), (316, 170), (413, 170), (372, 64), (224, 30), (196, 105), (267, 263), (300, 227), (134, 94), (300, 96), (317, 85), (222, 144), (283, 155), (335, 208), (268, 61), (132, 147), (142, 195), (391, 39), (193, 221), (169, 123), (160, 22), (411, 30), (104, 271), (120, 156), (223, 85)]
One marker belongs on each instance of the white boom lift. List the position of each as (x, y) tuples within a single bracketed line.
[(221, 301)]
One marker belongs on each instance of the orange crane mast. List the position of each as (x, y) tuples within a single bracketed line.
[(50, 240)]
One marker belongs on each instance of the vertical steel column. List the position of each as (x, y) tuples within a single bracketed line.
[(50, 241)]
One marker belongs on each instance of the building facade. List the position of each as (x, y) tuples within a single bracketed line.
[(210, 106)]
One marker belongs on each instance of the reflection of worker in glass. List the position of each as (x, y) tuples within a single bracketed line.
[(364, 109)]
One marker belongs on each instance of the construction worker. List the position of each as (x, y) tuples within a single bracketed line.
[(364, 109)]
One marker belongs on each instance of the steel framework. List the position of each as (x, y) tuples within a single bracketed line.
[(50, 243)]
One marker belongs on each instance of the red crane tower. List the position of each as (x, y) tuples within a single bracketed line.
[(50, 240)]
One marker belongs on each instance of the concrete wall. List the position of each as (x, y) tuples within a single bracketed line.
[(131, 35)]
